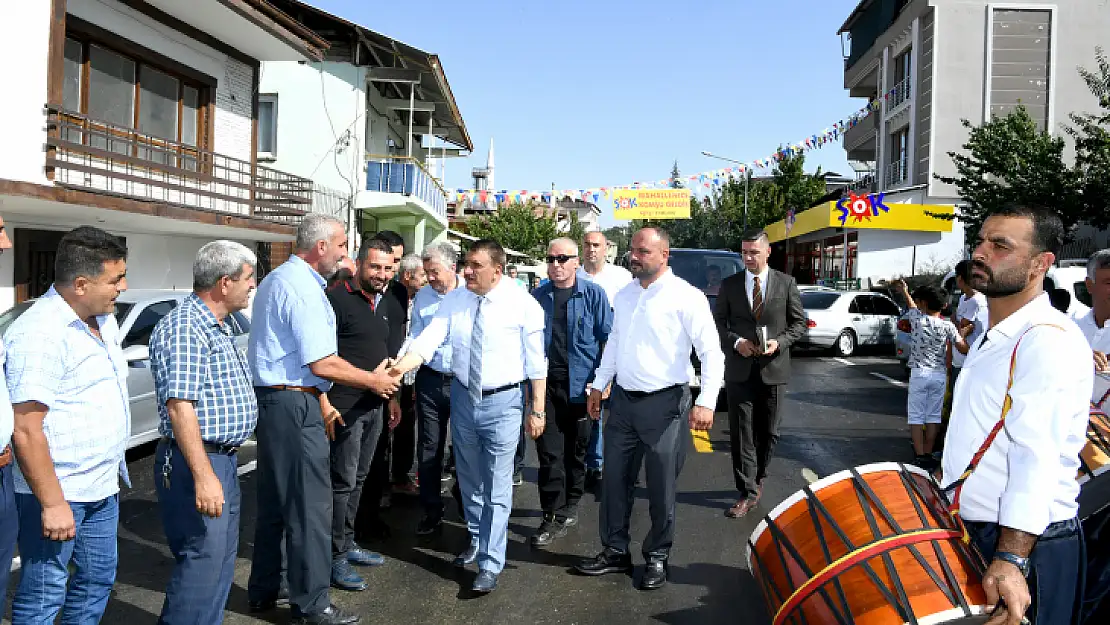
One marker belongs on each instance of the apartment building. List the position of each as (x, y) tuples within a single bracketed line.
[(140, 117), (373, 118), (933, 63)]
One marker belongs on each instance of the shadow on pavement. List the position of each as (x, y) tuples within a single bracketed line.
[(732, 596)]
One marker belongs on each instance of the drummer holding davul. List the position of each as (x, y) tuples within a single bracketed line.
[(1019, 501)]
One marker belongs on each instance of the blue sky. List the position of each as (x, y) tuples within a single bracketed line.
[(585, 93)]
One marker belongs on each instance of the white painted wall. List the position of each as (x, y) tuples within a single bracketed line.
[(24, 43), (893, 253), (321, 128)]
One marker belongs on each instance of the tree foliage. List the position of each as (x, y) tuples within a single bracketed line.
[(1091, 133), (1010, 160), (517, 226)]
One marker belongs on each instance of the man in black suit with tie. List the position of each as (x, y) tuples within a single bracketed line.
[(759, 316)]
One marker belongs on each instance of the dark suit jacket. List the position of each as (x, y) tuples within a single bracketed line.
[(782, 314)]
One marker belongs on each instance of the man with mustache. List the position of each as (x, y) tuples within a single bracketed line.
[(1029, 379)]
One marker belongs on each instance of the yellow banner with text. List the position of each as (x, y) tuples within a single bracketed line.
[(651, 203)]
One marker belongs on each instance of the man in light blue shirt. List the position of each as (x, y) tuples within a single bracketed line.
[(433, 383), (496, 335), (9, 519), (67, 378), (292, 355)]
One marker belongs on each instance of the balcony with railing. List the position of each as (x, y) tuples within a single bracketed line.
[(860, 140), (93, 155), (901, 95), (896, 175), (406, 176)]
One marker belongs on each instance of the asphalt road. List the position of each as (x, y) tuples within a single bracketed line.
[(840, 413)]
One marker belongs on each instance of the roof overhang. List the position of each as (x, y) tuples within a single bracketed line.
[(253, 27), (860, 8)]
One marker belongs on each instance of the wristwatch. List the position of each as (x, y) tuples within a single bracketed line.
[(1014, 559)]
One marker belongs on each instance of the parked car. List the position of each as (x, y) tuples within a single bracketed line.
[(1068, 275), (846, 320), (137, 312)]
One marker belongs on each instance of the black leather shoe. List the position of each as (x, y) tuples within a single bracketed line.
[(485, 583), (266, 605), (430, 525), (655, 575), (466, 557), (608, 561), (593, 479), (548, 531), (332, 615)]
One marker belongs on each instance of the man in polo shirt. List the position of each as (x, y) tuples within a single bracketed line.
[(366, 323), (207, 409), (68, 382), (293, 359)]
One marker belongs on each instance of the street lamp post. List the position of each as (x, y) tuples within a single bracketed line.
[(747, 177)]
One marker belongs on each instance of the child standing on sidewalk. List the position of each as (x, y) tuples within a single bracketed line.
[(930, 335)]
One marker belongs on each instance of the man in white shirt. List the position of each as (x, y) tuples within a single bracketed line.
[(1019, 502), (9, 518), (658, 319), (596, 268), (971, 311), (1096, 528), (496, 334)]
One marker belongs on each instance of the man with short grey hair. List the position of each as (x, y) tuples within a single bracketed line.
[(207, 409)]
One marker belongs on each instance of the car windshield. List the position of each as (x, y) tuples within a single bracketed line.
[(122, 310), (704, 269), (13, 313), (818, 300)]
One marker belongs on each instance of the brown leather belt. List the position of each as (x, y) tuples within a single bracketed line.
[(311, 390), (6, 456)]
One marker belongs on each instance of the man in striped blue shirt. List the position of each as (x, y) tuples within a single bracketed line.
[(67, 377), (207, 408)]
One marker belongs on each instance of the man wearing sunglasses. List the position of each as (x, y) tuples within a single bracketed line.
[(577, 320)]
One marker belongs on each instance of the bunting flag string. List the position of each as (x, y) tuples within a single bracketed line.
[(703, 181)]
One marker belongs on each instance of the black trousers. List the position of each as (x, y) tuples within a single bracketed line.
[(754, 411), (403, 450), (562, 452), (294, 501), (433, 411), (652, 428), (1056, 579), (1096, 596), (352, 452)]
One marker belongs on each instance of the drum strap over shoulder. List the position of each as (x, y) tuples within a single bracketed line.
[(955, 488)]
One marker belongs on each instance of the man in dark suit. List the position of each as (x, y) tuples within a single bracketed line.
[(756, 372)]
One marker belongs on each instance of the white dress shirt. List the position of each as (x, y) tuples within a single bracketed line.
[(1026, 480), (7, 416), (513, 322), (612, 278), (749, 285), (1099, 340), (653, 332), (974, 309)]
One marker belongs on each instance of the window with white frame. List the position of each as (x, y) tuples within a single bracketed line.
[(1021, 63), (267, 125), (898, 168)]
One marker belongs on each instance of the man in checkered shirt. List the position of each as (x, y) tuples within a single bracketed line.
[(208, 409)]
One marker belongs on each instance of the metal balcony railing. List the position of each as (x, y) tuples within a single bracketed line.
[(94, 155), (406, 176), (902, 93), (896, 174)]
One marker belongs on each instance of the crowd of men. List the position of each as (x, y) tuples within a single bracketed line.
[(354, 373)]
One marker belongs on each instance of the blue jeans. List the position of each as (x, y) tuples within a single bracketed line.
[(594, 451), (9, 530), (485, 441), (42, 587), (204, 548)]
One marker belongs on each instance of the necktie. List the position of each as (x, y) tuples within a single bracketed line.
[(757, 298), (474, 378)]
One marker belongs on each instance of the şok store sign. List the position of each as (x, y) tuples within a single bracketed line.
[(865, 212)]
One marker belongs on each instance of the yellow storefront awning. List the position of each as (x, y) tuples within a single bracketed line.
[(865, 212)]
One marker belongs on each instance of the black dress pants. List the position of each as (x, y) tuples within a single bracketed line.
[(754, 411), (562, 452)]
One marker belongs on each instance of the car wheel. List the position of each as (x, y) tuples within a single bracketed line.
[(845, 344)]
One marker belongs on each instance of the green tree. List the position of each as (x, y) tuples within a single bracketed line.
[(620, 235), (1091, 133), (518, 227), (1009, 159)]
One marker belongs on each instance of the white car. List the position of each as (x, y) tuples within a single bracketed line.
[(1067, 275), (137, 312), (845, 320)]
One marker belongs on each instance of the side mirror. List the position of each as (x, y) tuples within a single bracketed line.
[(137, 355)]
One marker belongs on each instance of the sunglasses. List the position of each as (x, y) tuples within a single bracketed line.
[(561, 258)]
